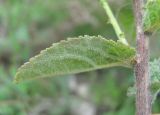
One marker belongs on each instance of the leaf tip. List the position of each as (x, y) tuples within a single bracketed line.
[(16, 79)]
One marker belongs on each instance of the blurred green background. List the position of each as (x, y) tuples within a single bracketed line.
[(28, 26)]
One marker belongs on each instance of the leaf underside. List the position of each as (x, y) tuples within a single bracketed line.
[(155, 80), (152, 16), (76, 55)]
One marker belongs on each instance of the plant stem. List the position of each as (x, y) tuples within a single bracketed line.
[(114, 22), (143, 96)]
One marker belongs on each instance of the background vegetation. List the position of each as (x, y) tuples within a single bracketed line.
[(28, 26)]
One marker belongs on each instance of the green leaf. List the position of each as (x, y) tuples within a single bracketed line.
[(76, 55), (155, 80), (152, 16)]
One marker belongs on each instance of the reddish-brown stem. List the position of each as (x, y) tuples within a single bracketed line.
[(143, 98)]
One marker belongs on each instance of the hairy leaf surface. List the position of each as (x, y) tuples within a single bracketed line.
[(152, 16), (76, 55)]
